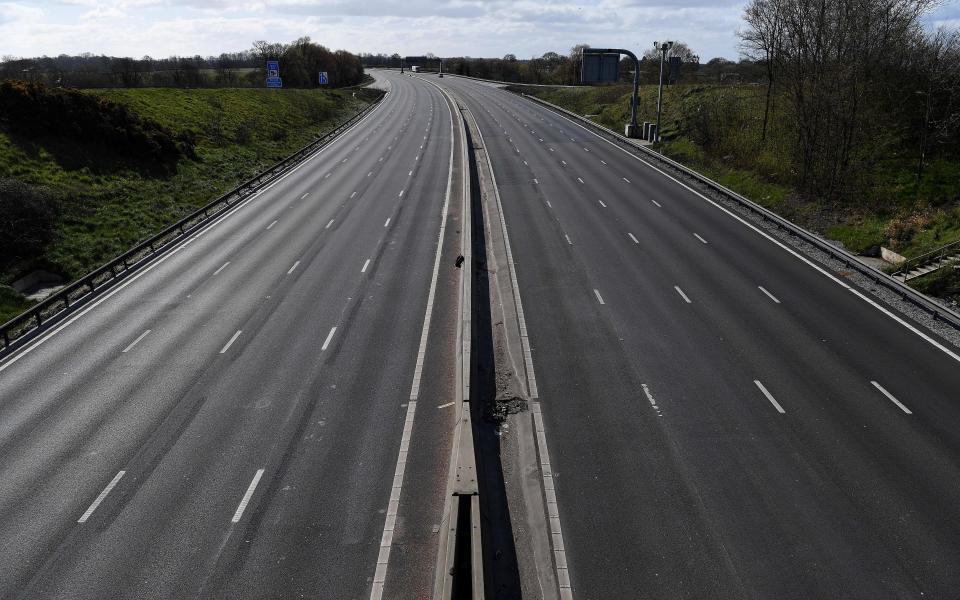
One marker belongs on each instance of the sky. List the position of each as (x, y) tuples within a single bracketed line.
[(479, 28)]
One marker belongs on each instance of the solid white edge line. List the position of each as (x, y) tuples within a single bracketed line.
[(599, 297), (770, 397), (295, 265), (135, 342), (769, 295), (891, 397), (246, 497), (365, 265), (389, 525), (222, 267), (777, 242), (113, 482), (632, 237), (682, 295), (232, 340)]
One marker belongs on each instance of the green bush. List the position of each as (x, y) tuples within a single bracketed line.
[(28, 215)]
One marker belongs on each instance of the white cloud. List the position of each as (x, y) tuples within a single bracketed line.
[(448, 28)]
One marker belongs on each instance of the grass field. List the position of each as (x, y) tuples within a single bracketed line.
[(110, 202), (898, 215)]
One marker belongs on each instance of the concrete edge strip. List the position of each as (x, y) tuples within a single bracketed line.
[(879, 277), (159, 257), (389, 525), (550, 498), (462, 455)]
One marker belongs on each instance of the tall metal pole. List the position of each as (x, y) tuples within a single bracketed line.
[(663, 55), (632, 128)]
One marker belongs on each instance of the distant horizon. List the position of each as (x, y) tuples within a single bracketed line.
[(474, 28)]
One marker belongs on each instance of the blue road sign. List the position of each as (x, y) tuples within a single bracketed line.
[(323, 78), (274, 82), (273, 68)]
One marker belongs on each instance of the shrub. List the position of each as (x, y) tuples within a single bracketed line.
[(27, 218)]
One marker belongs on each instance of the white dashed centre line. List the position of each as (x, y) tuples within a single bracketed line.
[(697, 235), (635, 240), (365, 265), (352, 195), (682, 295), (599, 297), (601, 203), (770, 397), (271, 225), (113, 483), (305, 195), (326, 342), (891, 397), (657, 204), (135, 342), (579, 179), (387, 222), (568, 239), (246, 497), (603, 162), (230, 343), (536, 181), (222, 267), (769, 295), (548, 204), (295, 265), (329, 224), (625, 179)]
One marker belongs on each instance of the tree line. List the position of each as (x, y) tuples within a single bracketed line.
[(853, 85), (300, 62)]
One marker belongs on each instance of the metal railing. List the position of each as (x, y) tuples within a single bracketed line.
[(905, 292), (933, 257), (77, 293)]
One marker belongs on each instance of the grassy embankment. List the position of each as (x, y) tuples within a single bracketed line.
[(107, 201), (896, 214)]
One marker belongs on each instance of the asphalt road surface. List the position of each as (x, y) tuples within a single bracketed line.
[(229, 422), (725, 418)]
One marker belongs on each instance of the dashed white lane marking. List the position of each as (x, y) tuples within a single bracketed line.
[(327, 175), (295, 265), (222, 267), (603, 162), (365, 265), (343, 161), (271, 225), (579, 179), (135, 342), (697, 235), (536, 181), (653, 403), (552, 150), (586, 149), (541, 139), (525, 164), (682, 295), (770, 397), (246, 497), (568, 240), (305, 195), (447, 405), (548, 204), (230, 343), (113, 483), (353, 194), (370, 173), (563, 162), (891, 397), (380, 159), (329, 224), (632, 237), (599, 297), (769, 295), (326, 342), (625, 179), (387, 222), (601, 203), (655, 203)]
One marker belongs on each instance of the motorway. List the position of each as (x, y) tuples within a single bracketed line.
[(726, 418), (241, 418)]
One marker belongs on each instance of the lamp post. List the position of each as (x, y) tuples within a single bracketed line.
[(664, 48)]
